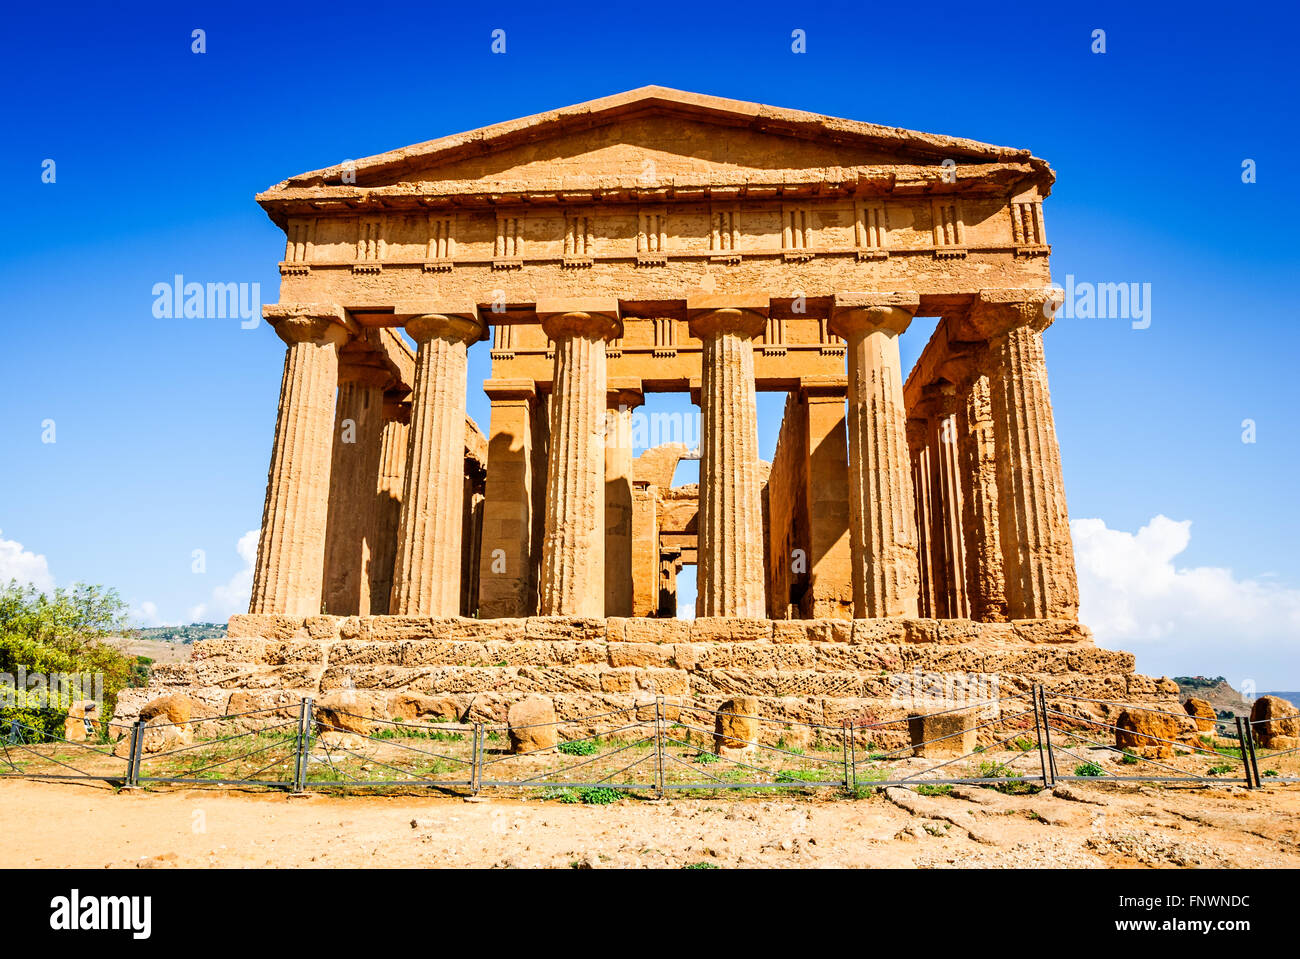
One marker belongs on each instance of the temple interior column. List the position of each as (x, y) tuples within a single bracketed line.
[(918, 442), (426, 577), (730, 576), (986, 586), (618, 500), (1034, 524), (946, 496), (830, 559), (388, 499), (350, 532), (291, 548), (573, 554), (881, 502), (506, 585)]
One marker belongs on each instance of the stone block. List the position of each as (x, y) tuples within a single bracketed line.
[(565, 628), (1275, 723), (1202, 712), (533, 725), (942, 734), (264, 626), (736, 728)]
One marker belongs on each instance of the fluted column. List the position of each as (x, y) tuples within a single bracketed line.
[(729, 580), (573, 548), (426, 576), (618, 499), (882, 521), (354, 465), (1034, 523), (986, 585), (291, 548), (918, 442), (947, 500), (388, 501)]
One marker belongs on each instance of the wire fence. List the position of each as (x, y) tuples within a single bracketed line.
[(660, 745)]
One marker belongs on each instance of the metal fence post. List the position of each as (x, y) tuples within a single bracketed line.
[(1248, 762), (133, 760), (844, 750), (1047, 736), (1038, 733), (659, 747), (302, 746), (476, 761)]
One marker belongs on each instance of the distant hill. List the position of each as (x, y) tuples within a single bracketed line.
[(183, 634), (1216, 691)]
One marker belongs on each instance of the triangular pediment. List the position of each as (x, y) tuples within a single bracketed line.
[(653, 137)]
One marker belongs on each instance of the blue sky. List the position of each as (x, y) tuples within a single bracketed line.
[(163, 427)]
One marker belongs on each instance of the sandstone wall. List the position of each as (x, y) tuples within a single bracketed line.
[(813, 671)]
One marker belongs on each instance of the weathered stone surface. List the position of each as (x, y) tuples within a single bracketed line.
[(74, 724), (736, 728), (533, 725), (347, 712), (407, 706), (176, 709), (1275, 722), (1202, 712), (1155, 735), (939, 734)]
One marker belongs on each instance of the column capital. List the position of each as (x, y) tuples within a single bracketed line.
[(624, 392), (456, 321), (941, 397), (591, 317), (510, 389), (854, 313), (994, 312), (309, 322), (711, 315)]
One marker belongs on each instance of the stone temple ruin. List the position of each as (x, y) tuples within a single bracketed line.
[(660, 241)]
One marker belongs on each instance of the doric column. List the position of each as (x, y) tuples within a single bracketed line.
[(1034, 523), (426, 577), (946, 499), (506, 585), (882, 521), (388, 500), (918, 442), (573, 552), (354, 466), (291, 549), (618, 498), (729, 580), (986, 586)]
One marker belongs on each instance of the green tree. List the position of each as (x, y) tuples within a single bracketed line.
[(61, 632)]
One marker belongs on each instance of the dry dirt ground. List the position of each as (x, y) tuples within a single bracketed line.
[(1117, 825)]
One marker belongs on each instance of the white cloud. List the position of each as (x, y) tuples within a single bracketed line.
[(24, 566), (146, 614), (232, 597), (1184, 621)]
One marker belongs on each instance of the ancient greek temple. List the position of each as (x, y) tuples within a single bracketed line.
[(666, 242)]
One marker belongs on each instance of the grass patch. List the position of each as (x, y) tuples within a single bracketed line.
[(700, 865), (599, 796), (927, 790), (579, 747)]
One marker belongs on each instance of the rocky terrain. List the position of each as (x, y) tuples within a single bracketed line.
[(1114, 825)]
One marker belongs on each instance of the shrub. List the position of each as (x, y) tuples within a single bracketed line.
[(1089, 769), (599, 795), (578, 747)]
